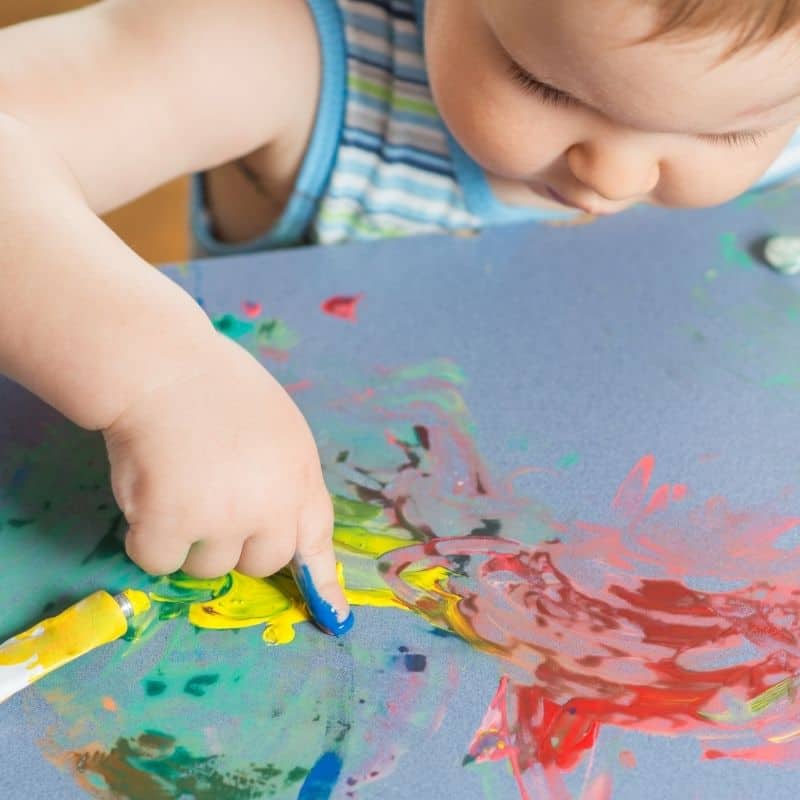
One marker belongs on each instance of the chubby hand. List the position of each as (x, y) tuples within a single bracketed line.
[(219, 470)]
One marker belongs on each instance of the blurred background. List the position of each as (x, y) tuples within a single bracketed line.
[(156, 225)]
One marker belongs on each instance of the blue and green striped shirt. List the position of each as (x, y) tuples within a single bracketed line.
[(381, 161)]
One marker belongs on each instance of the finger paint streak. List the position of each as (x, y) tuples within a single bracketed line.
[(599, 619)]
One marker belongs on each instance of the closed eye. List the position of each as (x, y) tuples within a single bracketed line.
[(552, 96), (735, 139), (546, 93)]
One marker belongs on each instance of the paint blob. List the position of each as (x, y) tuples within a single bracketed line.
[(342, 306)]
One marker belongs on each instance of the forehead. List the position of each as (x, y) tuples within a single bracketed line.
[(593, 49)]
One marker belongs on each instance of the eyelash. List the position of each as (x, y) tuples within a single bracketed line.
[(738, 139), (547, 94), (558, 99)]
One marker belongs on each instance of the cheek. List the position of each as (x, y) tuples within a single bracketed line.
[(706, 176), (500, 134), (508, 134)]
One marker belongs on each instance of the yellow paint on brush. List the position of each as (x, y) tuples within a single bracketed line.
[(94, 621), (139, 601)]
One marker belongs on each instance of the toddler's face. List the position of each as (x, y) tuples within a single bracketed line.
[(559, 95)]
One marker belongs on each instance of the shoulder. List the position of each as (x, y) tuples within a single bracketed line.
[(251, 57)]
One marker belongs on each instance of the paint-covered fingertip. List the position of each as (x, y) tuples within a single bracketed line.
[(341, 628), (328, 620), (322, 612)]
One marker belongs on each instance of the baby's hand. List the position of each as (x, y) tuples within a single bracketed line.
[(219, 471)]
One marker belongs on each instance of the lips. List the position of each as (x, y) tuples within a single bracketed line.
[(559, 198)]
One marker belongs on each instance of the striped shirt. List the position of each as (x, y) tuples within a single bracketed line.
[(394, 174), (380, 161)]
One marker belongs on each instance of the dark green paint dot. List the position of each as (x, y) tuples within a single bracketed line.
[(266, 329), (267, 772), (224, 323), (198, 685), (172, 610), (383, 567), (296, 774), (154, 688), (20, 523)]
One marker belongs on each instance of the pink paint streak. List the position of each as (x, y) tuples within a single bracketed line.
[(610, 633)]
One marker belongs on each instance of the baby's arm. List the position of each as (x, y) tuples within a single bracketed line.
[(96, 107)]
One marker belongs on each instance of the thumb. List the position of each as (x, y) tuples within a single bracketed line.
[(314, 569)]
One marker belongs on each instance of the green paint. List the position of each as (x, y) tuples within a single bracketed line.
[(441, 369), (783, 379), (198, 685), (733, 254), (354, 512), (296, 774), (153, 767), (275, 334), (233, 327), (569, 461), (154, 688)]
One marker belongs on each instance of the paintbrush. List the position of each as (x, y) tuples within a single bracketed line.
[(96, 620)]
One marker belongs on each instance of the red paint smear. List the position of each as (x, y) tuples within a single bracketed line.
[(627, 758), (342, 306), (605, 646), (251, 309), (299, 386), (274, 354)]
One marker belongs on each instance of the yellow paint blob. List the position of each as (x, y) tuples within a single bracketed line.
[(239, 601)]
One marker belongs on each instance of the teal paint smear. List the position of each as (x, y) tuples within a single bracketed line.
[(733, 253), (272, 334), (154, 688), (233, 327), (198, 685), (569, 461)]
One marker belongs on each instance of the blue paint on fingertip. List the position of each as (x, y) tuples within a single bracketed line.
[(321, 610)]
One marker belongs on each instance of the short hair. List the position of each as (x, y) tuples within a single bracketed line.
[(750, 22)]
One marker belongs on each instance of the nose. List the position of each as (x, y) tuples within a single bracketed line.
[(617, 168)]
